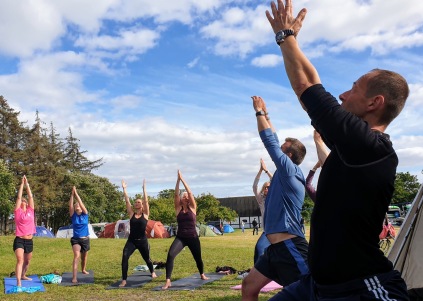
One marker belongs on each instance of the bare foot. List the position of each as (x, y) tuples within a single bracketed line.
[(203, 277), (85, 272), (26, 278), (123, 283), (74, 280), (167, 285), (153, 275)]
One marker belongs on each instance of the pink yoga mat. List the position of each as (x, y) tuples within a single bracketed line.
[(267, 288)]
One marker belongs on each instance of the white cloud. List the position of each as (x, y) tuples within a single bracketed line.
[(267, 60), (193, 63)]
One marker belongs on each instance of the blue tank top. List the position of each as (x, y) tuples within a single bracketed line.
[(80, 225), (138, 226), (186, 224)]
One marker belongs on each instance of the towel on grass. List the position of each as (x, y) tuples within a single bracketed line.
[(271, 286)]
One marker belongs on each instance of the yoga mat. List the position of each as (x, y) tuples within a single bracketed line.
[(135, 280), (191, 283), (9, 283), (82, 278), (271, 286)]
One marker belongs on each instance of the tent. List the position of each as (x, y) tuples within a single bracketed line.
[(228, 228), (408, 247), (67, 232), (121, 229), (206, 231), (156, 229), (108, 231), (43, 232), (215, 230)]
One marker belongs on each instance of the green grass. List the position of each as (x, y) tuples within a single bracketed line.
[(234, 249)]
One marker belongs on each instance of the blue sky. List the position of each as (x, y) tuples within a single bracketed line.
[(153, 86)]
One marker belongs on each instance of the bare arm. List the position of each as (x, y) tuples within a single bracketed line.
[(19, 198), (71, 209), (263, 166), (322, 152), (192, 203), (256, 181), (258, 104), (300, 71), (29, 193), (145, 205), (81, 204), (177, 198), (127, 202)]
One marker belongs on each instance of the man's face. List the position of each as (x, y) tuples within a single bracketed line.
[(355, 100)]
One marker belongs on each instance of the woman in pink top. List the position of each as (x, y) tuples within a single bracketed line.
[(25, 228)]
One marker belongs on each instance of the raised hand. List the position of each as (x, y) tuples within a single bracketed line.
[(123, 184), (281, 17), (258, 103)]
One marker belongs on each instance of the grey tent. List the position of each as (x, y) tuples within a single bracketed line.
[(406, 252)]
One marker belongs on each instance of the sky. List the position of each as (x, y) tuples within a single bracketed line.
[(156, 86)]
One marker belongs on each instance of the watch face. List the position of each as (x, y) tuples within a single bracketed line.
[(279, 36)]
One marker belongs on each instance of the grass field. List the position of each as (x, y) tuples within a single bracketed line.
[(234, 249)]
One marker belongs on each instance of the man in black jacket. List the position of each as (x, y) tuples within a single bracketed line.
[(357, 179)]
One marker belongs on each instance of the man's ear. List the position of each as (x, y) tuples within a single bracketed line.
[(376, 102), (289, 155)]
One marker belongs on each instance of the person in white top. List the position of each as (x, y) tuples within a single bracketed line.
[(262, 242)]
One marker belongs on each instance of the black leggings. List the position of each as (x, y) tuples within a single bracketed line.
[(143, 247), (178, 244)]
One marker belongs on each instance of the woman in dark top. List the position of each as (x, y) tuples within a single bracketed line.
[(137, 239), (186, 210)]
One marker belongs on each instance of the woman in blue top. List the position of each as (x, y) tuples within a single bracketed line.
[(137, 239), (80, 240)]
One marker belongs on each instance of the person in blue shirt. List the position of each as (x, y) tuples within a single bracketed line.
[(285, 259), (80, 240)]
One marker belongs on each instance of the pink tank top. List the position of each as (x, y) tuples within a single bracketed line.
[(25, 221)]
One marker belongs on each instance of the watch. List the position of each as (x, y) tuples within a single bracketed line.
[(261, 113), (281, 35)]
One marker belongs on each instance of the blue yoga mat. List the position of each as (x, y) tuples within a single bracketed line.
[(10, 283)]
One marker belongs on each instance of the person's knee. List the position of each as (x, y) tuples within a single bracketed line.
[(248, 287)]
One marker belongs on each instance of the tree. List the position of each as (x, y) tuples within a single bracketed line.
[(308, 206), (209, 209), (7, 192), (75, 159), (406, 188)]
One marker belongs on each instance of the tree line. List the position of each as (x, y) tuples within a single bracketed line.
[(54, 164)]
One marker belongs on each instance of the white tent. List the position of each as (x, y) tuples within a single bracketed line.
[(67, 232), (406, 252)]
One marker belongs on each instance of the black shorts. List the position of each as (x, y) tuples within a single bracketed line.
[(285, 261), (21, 243), (83, 242), (387, 286)]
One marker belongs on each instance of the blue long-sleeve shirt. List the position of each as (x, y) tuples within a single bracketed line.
[(286, 193)]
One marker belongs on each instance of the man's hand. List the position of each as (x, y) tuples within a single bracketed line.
[(282, 18), (258, 103)]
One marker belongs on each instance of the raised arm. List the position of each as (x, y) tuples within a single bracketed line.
[(177, 198), (29, 194), (71, 209), (127, 202), (311, 191), (81, 204), (260, 107), (263, 166), (300, 71), (256, 181), (322, 152), (192, 203), (19, 198), (146, 206)]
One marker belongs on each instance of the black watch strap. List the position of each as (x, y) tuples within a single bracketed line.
[(261, 113)]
